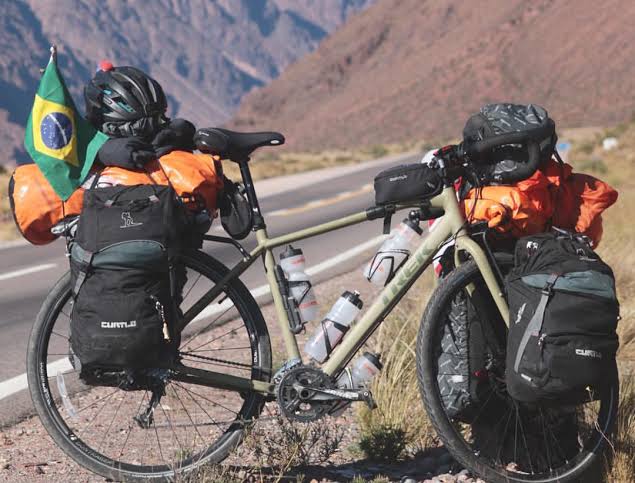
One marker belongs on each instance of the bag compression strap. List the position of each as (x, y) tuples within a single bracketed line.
[(85, 258), (535, 324)]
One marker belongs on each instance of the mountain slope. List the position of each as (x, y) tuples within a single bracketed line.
[(207, 54), (411, 69)]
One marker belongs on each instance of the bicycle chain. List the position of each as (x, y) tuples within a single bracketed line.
[(214, 359)]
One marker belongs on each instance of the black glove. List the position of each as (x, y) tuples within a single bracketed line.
[(178, 135), (127, 153)]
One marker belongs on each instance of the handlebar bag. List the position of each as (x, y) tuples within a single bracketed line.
[(563, 318), (498, 138), (407, 183), (125, 296)]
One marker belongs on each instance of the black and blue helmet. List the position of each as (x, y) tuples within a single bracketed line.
[(124, 101)]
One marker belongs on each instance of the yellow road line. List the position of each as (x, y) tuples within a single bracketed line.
[(311, 205)]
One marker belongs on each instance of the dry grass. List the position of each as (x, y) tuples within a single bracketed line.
[(396, 389), (623, 465), (8, 231)]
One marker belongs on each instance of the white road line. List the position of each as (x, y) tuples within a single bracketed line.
[(26, 271), (19, 383)]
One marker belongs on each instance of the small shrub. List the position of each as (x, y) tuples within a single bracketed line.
[(592, 164), (587, 147), (378, 151), (384, 443), (285, 444)]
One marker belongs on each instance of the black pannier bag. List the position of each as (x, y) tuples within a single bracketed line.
[(123, 290), (563, 318), (406, 183), (507, 143)]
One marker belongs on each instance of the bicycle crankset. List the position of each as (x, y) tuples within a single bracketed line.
[(307, 394)]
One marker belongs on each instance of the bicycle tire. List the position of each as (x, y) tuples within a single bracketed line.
[(43, 399), (448, 432)]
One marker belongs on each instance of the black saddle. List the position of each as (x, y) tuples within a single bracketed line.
[(235, 146)]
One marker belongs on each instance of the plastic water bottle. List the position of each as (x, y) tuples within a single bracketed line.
[(293, 264), (393, 252), (334, 326), (361, 372)]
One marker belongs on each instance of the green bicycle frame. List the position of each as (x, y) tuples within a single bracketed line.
[(452, 224)]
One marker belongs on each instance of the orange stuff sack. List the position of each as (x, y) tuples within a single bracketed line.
[(36, 207), (197, 178), (519, 210), (579, 200)]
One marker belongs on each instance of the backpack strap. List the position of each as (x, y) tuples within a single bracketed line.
[(535, 324), (85, 260)]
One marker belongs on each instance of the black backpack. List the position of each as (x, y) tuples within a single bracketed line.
[(123, 287), (563, 317)]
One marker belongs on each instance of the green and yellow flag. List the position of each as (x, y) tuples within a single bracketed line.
[(57, 138)]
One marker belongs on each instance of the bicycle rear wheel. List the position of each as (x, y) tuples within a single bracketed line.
[(100, 427), (506, 440)]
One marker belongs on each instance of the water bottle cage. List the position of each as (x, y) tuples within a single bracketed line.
[(327, 341), (300, 283), (393, 269)]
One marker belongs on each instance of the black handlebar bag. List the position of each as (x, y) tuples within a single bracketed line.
[(123, 287), (509, 142), (563, 314)]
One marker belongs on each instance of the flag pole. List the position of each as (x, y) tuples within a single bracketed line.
[(53, 50)]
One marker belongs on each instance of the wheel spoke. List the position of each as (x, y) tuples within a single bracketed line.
[(189, 424)]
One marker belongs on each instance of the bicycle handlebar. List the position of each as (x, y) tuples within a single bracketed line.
[(457, 157)]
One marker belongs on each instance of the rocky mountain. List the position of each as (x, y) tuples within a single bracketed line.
[(206, 53), (412, 70)]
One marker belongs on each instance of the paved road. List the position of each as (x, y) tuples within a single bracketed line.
[(27, 273)]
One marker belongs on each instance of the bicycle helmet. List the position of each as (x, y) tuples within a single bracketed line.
[(124, 101)]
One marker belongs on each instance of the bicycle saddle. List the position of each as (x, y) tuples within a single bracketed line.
[(235, 146)]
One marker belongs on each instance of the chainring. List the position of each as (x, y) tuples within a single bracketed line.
[(297, 395)]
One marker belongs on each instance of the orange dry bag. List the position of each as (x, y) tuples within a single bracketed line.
[(579, 200), (36, 207), (197, 178), (519, 210)]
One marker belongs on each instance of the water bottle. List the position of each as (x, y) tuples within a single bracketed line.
[(293, 263), (334, 326), (393, 252), (361, 373)]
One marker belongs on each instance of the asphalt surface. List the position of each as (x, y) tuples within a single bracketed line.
[(27, 273)]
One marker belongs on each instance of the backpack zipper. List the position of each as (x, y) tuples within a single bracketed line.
[(159, 308)]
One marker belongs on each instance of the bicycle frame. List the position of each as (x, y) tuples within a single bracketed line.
[(452, 224)]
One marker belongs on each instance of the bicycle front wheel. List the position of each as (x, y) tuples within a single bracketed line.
[(100, 427), (503, 440)]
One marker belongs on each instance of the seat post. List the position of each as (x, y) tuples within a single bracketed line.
[(259, 221)]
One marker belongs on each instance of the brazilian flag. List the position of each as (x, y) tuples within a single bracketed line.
[(57, 138)]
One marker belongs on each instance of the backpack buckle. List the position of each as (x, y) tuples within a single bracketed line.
[(551, 281)]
